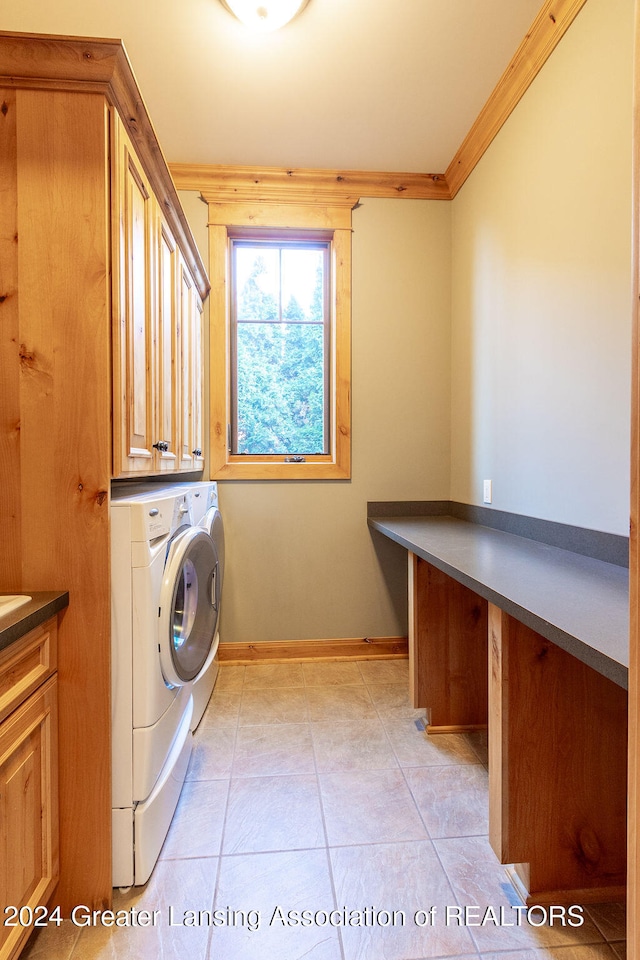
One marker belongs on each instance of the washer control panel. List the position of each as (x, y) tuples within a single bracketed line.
[(158, 516)]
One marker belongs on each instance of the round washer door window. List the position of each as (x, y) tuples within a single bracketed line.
[(189, 606)]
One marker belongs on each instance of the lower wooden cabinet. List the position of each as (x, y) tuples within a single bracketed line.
[(29, 858)]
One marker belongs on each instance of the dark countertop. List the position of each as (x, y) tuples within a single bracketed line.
[(577, 602), (40, 608)]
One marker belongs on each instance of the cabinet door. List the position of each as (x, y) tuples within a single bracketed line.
[(28, 810), (134, 268), (167, 358), (198, 382), (185, 347), (26, 664)]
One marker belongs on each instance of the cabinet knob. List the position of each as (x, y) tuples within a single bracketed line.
[(197, 452), (161, 445)]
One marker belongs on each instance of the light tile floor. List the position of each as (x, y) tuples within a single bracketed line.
[(312, 788)]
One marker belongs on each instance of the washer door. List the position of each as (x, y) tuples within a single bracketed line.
[(189, 604), (212, 523)]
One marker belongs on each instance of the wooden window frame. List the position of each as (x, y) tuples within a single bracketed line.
[(300, 221)]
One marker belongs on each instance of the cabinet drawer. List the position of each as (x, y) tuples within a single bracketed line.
[(26, 664)]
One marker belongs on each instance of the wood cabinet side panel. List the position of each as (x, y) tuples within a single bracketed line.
[(65, 403), (431, 626), (564, 766), (412, 630), (10, 531), (498, 741), (448, 631), (468, 657), (633, 837)]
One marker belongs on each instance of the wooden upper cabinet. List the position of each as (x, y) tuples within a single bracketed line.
[(108, 165), (157, 381)]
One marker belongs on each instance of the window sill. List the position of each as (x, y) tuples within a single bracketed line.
[(256, 470)]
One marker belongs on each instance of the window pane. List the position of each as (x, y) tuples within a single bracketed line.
[(257, 286), (302, 285), (280, 388)]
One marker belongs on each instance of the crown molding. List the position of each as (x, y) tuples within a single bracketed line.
[(220, 183), (546, 31)]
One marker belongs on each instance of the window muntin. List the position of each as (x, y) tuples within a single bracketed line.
[(280, 348)]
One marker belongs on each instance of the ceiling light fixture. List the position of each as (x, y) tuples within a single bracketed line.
[(265, 15)]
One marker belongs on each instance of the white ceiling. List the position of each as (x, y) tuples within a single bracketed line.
[(389, 85)]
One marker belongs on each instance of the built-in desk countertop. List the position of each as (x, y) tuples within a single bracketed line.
[(579, 603)]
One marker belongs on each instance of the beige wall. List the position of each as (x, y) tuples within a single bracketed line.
[(541, 293), (302, 563)]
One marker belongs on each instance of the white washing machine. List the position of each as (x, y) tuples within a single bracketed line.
[(206, 514), (165, 602)]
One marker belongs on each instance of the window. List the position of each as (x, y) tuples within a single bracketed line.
[(280, 342), (280, 347)]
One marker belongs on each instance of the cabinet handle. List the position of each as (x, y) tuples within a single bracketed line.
[(197, 452), (161, 445)]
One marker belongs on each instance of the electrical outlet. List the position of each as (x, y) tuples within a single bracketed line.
[(488, 491)]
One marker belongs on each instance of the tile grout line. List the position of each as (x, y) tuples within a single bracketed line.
[(216, 887), (326, 837), (216, 884)]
